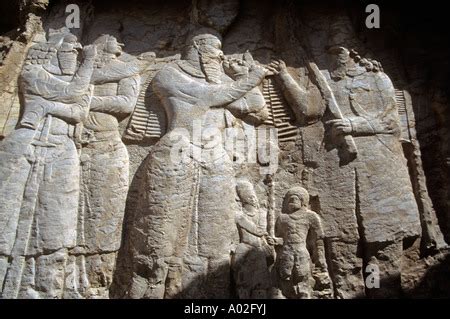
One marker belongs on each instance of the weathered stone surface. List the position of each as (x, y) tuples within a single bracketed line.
[(40, 168), (297, 227), (226, 149)]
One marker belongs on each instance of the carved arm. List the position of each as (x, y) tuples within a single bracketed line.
[(245, 223), (122, 103)]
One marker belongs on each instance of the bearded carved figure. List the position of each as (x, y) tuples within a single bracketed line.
[(253, 255), (364, 121), (182, 235), (104, 169), (40, 170), (226, 149)]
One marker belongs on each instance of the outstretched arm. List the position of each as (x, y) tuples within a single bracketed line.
[(115, 71), (71, 113), (170, 82), (297, 97)]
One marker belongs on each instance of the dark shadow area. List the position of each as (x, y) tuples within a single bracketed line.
[(436, 281), (431, 280), (10, 16)]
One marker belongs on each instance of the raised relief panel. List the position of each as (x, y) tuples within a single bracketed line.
[(225, 149), (40, 169), (301, 266)]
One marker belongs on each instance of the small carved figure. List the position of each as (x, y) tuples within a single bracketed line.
[(253, 255), (300, 227)]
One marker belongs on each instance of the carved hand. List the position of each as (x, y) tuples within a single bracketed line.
[(261, 232), (89, 51), (277, 67), (274, 241), (257, 71), (340, 126)]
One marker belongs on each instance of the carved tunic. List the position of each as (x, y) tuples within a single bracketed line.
[(105, 160), (44, 171), (387, 205), (187, 204)]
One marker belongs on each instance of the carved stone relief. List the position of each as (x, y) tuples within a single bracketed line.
[(223, 150), (40, 169)]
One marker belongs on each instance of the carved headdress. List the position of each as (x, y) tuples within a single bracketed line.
[(59, 42), (199, 35)]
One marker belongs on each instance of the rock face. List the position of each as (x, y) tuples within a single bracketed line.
[(225, 149)]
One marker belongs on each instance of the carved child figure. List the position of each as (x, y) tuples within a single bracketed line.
[(299, 226), (252, 107), (250, 260)]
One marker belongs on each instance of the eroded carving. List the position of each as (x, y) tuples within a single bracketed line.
[(188, 209), (300, 270), (104, 169), (253, 255), (198, 118), (40, 169)]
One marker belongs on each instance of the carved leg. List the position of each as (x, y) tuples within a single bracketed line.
[(99, 271), (49, 276), (14, 172), (345, 268), (217, 283), (28, 284), (76, 281), (216, 224), (174, 278)]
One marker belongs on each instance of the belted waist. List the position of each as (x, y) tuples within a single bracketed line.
[(56, 129), (90, 136)]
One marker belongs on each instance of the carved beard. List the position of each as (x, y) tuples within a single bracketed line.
[(339, 72), (251, 209), (67, 62), (211, 66), (340, 66)]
